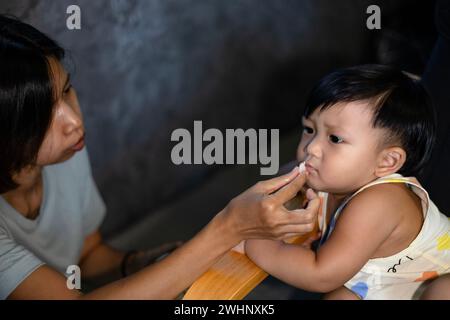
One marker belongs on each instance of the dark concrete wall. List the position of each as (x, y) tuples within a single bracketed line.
[(143, 68)]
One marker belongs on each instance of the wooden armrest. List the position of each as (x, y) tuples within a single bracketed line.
[(231, 278), (234, 275)]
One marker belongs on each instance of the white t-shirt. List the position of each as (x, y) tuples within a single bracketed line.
[(72, 208)]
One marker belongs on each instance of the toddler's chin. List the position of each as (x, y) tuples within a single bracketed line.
[(315, 185), (310, 183)]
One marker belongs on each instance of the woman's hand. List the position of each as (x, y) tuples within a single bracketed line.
[(259, 211)]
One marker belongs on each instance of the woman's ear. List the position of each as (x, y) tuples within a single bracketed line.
[(390, 161)]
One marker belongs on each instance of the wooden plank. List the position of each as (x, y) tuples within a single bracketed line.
[(234, 275), (231, 278)]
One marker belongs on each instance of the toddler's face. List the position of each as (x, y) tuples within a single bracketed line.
[(340, 147)]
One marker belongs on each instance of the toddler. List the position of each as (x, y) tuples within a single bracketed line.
[(368, 132)]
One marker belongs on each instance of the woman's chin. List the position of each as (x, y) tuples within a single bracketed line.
[(64, 157)]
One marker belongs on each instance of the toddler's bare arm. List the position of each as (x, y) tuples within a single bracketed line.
[(364, 225)]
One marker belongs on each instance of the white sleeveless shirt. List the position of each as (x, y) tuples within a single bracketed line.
[(399, 276)]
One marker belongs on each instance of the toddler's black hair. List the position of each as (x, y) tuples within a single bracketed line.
[(400, 105)]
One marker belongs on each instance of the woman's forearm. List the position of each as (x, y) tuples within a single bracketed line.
[(256, 213), (102, 265), (167, 278)]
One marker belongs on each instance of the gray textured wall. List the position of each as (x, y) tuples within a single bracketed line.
[(143, 68)]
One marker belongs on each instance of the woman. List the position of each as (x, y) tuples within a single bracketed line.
[(50, 208)]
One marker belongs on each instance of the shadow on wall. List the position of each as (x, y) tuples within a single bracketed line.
[(144, 68)]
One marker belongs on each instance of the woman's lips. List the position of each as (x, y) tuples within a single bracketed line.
[(79, 145)]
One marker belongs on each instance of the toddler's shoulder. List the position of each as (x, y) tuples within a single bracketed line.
[(391, 194), (376, 211), (387, 191), (390, 200)]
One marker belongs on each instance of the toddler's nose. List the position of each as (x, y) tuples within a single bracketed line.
[(313, 149)]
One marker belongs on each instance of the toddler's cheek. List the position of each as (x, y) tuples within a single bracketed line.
[(301, 155)]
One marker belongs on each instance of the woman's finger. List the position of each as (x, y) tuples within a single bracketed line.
[(310, 194), (289, 191), (271, 185), (298, 217), (296, 229), (313, 205)]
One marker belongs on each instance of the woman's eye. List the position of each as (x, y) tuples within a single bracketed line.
[(308, 130), (335, 139)]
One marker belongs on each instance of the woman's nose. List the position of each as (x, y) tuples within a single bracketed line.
[(71, 119)]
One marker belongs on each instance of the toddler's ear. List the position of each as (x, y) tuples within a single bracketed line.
[(390, 161)]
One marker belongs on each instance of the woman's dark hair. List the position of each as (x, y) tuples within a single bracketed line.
[(26, 95), (400, 105)]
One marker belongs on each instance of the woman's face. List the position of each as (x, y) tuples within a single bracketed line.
[(340, 147), (66, 133)]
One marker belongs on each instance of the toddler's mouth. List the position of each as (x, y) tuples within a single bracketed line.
[(304, 166), (309, 168)]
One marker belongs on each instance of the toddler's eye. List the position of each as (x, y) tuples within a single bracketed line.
[(335, 139), (308, 130)]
